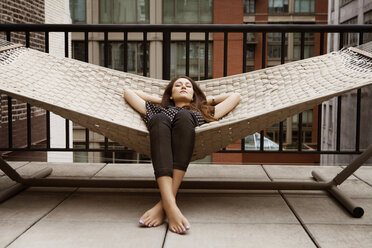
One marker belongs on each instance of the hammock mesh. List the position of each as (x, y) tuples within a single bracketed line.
[(92, 96)]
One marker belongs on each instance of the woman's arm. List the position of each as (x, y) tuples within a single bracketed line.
[(137, 100), (224, 103)]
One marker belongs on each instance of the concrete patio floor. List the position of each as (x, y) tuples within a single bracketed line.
[(84, 217)]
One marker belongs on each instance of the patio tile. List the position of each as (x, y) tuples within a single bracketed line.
[(352, 188), (202, 208), (14, 165), (194, 171), (327, 210), (243, 172), (126, 171), (6, 182), (240, 235), (356, 189), (10, 230), (104, 206), (52, 233), (339, 236), (64, 169), (302, 172), (30, 205), (365, 173)]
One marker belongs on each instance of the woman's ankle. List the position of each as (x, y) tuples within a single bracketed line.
[(169, 205)]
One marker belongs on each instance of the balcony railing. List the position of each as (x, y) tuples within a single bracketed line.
[(167, 30)]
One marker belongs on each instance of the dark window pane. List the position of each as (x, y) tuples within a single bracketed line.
[(304, 6), (105, 11), (351, 39), (197, 53), (206, 7), (249, 6), (278, 6), (274, 45), (187, 11), (124, 11), (78, 50), (116, 56), (308, 45), (78, 11)]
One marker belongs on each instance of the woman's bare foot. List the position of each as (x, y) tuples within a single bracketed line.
[(153, 216), (177, 222)]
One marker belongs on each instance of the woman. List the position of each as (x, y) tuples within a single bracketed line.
[(171, 121)]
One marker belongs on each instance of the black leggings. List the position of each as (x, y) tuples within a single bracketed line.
[(172, 143)]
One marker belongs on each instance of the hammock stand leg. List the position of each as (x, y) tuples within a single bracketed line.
[(320, 184), (19, 186), (355, 210)]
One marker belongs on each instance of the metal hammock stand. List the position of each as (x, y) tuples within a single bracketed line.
[(92, 96)]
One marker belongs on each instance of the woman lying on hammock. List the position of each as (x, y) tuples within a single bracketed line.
[(171, 122)]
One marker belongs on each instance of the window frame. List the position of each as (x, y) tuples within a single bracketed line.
[(200, 73), (119, 43), (174, 21), (112, 14)]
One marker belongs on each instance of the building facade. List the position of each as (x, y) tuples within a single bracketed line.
[(347, 12), (201, 12), (36, 12)]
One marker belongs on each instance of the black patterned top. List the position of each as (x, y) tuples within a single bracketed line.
[(170, 111)]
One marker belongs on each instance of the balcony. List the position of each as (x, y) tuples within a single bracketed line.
[(235, 217)]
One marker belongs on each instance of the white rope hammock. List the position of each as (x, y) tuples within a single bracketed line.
[(92, 96)]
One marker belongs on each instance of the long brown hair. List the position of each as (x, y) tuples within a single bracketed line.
[(199, 102)]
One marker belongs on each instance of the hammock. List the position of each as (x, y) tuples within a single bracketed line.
[(92, 96)]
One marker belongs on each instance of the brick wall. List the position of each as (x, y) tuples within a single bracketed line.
[(22, 11), (227, 12), (19, 12)]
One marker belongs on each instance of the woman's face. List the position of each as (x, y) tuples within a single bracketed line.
[(182, 91)]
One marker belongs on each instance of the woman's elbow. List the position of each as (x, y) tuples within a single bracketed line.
[(236, 97), (126, 94)]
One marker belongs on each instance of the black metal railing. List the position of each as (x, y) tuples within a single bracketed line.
[(166, 30)]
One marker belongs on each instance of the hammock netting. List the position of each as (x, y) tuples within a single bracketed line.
[(92, 96)]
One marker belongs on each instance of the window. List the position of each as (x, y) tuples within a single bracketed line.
[(278, 6), (350, 39), (274, 45), (307, 127), (80, 157), (78, 50), (308, 45), (187, 11), (249, 6), (304, 6), (250, 51), (196, 68), (367, 20), (124, 11), (116, 56), (251, 37), (250, 57), (78, 11), (125, 155)]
